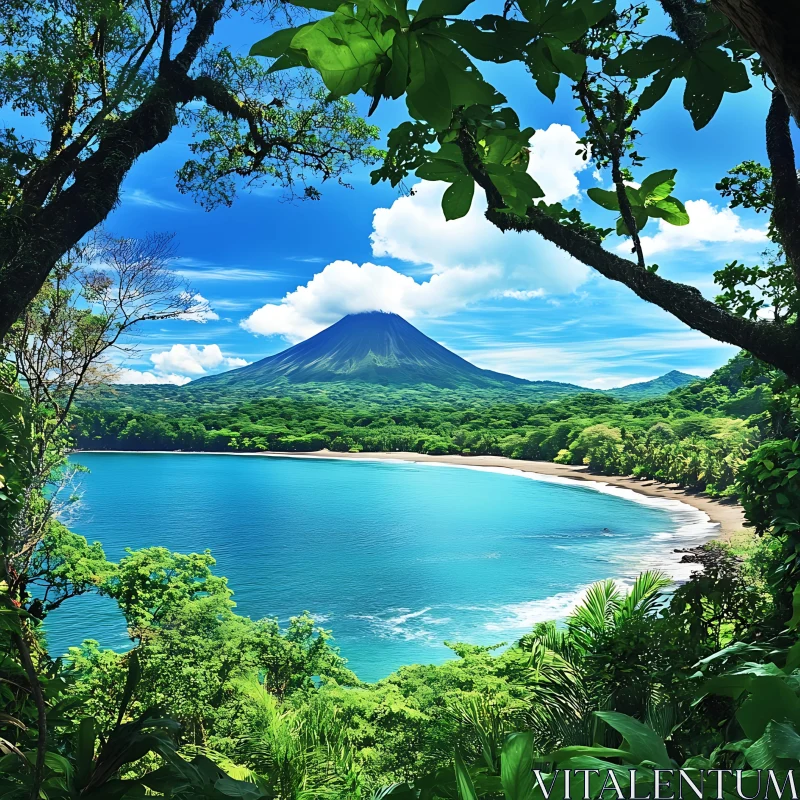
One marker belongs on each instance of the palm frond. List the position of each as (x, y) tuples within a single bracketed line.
[(595, 613), (643, 595)]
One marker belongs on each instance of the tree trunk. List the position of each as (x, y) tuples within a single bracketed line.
[(772, 28)]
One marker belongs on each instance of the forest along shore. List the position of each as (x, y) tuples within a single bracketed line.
[(728, 515)]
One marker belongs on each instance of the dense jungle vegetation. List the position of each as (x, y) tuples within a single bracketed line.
[(206, 703), (696, 436)]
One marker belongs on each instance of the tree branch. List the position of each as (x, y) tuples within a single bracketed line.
[(32, 240), (770, 27), (41, 712), (779, 345)]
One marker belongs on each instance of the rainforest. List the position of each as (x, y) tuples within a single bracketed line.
[(553, 238)]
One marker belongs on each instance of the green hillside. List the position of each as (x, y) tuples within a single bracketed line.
[(657, 387)]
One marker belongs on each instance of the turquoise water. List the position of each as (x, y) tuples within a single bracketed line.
[(395, 558)]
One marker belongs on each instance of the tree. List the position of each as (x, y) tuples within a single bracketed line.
[(108, 81), (617, 73), (88, 309)]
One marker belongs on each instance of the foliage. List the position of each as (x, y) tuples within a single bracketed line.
[(102, 84)]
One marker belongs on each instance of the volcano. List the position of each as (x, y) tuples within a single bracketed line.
[(373, 347)]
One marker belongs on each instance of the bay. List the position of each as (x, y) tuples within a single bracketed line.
[(395, 558)]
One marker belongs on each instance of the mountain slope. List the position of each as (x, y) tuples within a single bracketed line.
[(373, 347), (657, 387)]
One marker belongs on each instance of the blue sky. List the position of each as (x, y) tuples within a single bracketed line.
[(274, 272)]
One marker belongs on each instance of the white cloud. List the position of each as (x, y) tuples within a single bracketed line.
[(554, 163), (199, 270), (135, 376), (708, 225), (180, 364), (199, 311), (194, 360), (516, 294), (347, 288), (605, 362), (414, 229), (142, 198)]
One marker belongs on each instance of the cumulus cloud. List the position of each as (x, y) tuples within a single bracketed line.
[(181, 363), (554, 163), (347, 288), (194, 360), (708, 225), (414, 229)]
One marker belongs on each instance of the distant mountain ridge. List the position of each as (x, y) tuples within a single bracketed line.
[(657, 387), (374, 347)]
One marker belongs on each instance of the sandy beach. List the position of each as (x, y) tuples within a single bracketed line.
[(729, 516)]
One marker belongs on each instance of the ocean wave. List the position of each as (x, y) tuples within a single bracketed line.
[(523, 616), (405, 624)]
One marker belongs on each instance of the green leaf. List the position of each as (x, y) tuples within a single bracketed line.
[(780, 741), (428, 93), (771, 699), (642, 742), (543, 70), (318, 5), (466, 789), (289, 60), (575, 751), (656, 90), (570, 64), (516, 766), (397, 79), (655, 54), (640, 216), (604, 198), (533, 10), (131, 682), (565, 23), (795, 620), (594, 12), (711, 73), (457, 198), (347, 48), (9, 620), (57, 763), (84, 756), (503, 43), (658, 185), (440, 8), (671, 210), (465, 84), (276, 44), (233, 788)]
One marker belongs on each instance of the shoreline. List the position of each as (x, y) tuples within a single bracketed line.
[(729, 516)]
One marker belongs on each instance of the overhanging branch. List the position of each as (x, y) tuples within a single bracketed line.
[(775, 343)]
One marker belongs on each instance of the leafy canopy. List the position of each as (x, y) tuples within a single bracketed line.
[(428, 55)]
